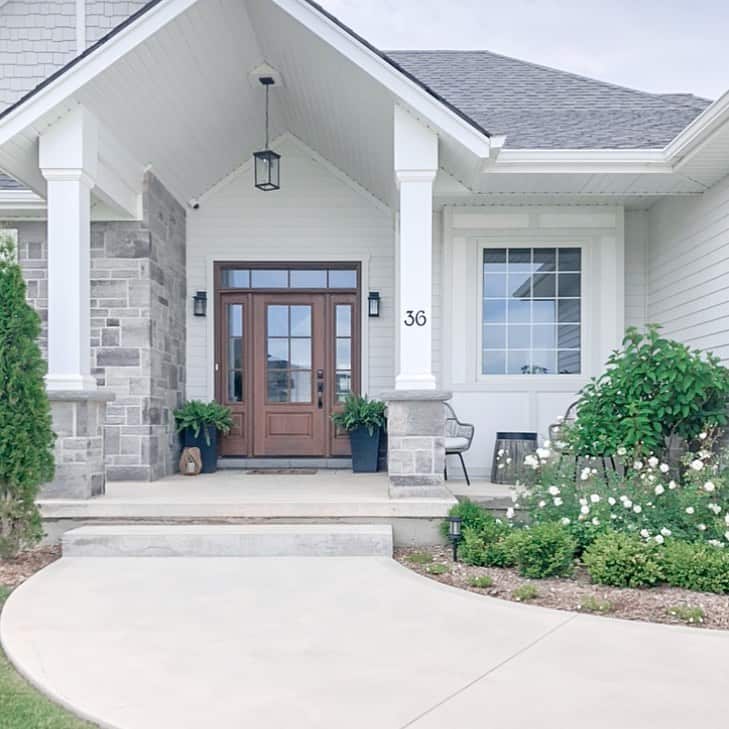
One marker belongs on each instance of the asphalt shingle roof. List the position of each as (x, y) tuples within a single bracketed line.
[(544, 108)]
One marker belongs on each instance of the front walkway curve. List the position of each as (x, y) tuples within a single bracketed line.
[(320, 643)]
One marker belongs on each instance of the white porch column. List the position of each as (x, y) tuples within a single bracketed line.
[(416, 164), (68, 160)]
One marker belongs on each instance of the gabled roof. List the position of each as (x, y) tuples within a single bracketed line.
[(537, 107)]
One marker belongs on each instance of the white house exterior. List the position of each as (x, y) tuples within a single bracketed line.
[(513, 220)]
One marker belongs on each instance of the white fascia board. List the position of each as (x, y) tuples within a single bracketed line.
[(21, 204), (410, 93), (89, 66), (698, 131), (580, 161)]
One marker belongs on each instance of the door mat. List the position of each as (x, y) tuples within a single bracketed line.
[(283, 471)]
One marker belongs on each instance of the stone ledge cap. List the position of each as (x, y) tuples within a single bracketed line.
[(80, 395), (415, 395)]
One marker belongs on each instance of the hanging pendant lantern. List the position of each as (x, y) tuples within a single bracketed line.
[(267, 163)]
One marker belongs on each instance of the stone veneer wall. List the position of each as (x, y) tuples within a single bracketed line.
[(138, 308)]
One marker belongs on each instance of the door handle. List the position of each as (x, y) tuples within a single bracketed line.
[(320, 393)]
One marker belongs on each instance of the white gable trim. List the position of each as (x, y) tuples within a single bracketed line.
[(247, 167), (101, 57)]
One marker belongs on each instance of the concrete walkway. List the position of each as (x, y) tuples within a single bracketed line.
[(342, 643)]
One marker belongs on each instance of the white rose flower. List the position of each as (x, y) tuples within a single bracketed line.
[(510, 513), (672, 485), (690, 510), (613, 516), (547, 443), (553, 491), (543, 453), (703, 436), (659, 490), (500, 452), (542, 504), (595, 521), (564, 521), (584, 510), (645, 533), (701, 527), (557, 501), (594, 498), (726, 536), (715, 508), (583, 501), (531, 461), (508, 460), (697, 465), (611, 501), (637, 465), (726, 518), (664, 468), (652, 461), (637, 509), (585, 474), (709, 486), (666, 532), (622, 451), (627, 503), (659, 539)]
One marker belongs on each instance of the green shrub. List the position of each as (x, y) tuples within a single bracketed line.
[(481, 581), (696, 567), (360, 412), (652, 388), (545, 550), (623, 560), (491, 546), (419, 558), (436, 569), (26, 435), (592, 604), (525, 592), (686, 613), (472, 515)]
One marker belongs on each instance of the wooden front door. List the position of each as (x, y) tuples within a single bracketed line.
[(285, 360)]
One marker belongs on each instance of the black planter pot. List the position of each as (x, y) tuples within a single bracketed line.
[(208, 453), (365, 449)]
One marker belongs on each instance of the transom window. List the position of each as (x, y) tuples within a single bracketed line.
[(531, 311), (285, 278)]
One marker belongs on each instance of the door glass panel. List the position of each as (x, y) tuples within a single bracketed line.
[(288, 349), (235, 278), (269, 279), (300, 321), (234, 353), (341, 279), (343, 351), (301, 279)]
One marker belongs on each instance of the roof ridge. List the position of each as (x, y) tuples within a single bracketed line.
[(544, 67)]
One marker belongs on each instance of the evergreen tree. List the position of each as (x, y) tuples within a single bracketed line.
[(26, 437)]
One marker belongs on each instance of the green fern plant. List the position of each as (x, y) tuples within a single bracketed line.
[(360, 412), (197, 415)]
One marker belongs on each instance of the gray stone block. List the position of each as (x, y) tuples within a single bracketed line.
[(117, 357)]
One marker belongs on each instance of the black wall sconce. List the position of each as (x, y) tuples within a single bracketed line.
[(200, 303), (373, 303)]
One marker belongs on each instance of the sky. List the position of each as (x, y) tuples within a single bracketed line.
[(660, 46)]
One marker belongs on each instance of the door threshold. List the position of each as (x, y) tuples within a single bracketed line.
[(231, 462)]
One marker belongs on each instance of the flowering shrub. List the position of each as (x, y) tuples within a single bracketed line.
[(652, 389), (642, 497), (545, 550), (623, 560)]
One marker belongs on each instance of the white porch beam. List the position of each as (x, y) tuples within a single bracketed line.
[(68, 159), (416, 164)]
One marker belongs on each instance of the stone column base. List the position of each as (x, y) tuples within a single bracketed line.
[(78, 421), (416, 442)]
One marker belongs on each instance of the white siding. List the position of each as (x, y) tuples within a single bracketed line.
[(635, 242), (687, 269), (103, 15), (525, 402), (317, 215)]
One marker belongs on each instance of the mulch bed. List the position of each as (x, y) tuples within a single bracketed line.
[(15, 571), (650, 604)]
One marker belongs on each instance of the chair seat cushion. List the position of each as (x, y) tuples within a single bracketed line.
[(456, 444)]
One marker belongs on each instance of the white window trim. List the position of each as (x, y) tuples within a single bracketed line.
[(536, 240)]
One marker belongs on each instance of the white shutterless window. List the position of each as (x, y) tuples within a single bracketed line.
[(531, 310)]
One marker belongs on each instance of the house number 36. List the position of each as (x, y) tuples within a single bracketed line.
[(415, 318)]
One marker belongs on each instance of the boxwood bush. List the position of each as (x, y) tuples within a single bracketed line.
[(696, 567), (545, 550), (623, 560)]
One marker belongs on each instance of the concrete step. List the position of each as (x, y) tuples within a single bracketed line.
[(229, 540)]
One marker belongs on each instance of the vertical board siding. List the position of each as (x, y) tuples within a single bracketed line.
[(317, 215), (687, 269), (635, 244)]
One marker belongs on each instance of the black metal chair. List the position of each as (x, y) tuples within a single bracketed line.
[(458, 439)]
